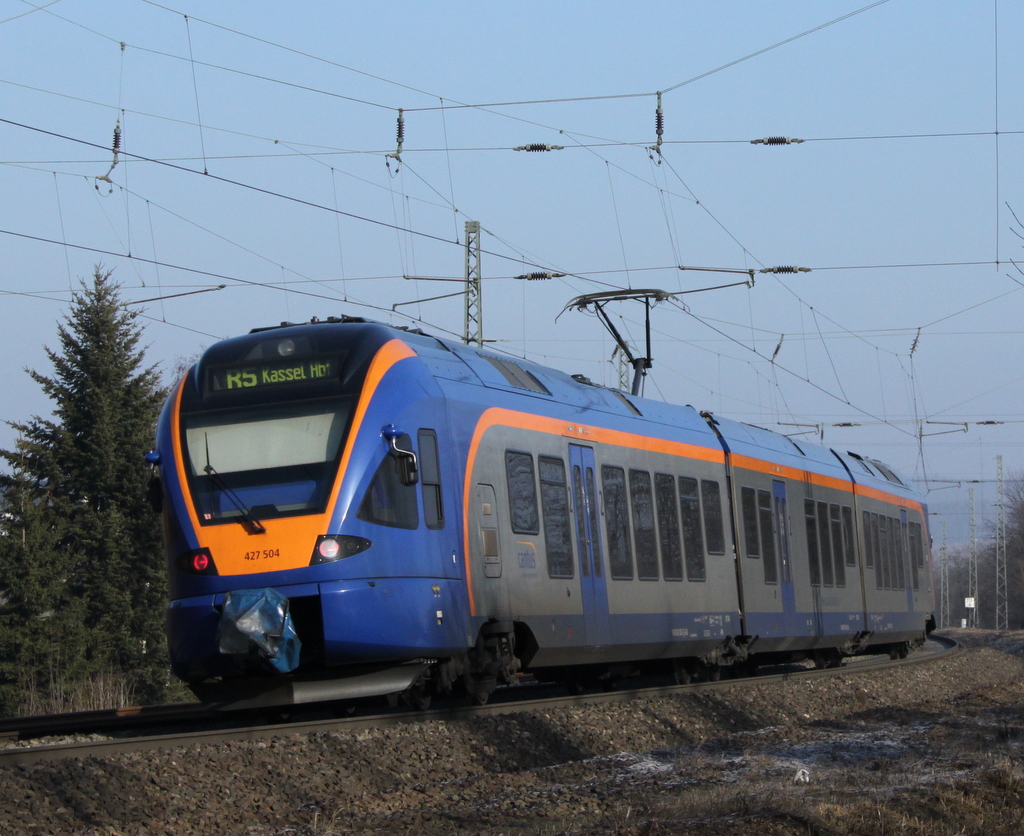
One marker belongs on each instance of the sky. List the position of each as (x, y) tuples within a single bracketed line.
[(258, 151)]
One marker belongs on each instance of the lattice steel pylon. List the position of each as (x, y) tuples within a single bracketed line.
[(1002, 614), (474, 324)]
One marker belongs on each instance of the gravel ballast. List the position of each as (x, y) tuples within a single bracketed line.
[(775, 757)]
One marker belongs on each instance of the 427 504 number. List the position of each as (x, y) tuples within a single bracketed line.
[(265, 554)]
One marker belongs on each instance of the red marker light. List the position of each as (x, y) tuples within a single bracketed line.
[(200, 561)]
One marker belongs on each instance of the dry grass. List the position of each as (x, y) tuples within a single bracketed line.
[(108, 689)]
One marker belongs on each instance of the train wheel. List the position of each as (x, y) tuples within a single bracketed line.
[(681, 671), (477, 697), (417, 697), (713, 673), (829, 658), (899, 651)]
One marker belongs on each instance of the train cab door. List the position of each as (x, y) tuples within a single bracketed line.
[(590, 556), (785, 559)]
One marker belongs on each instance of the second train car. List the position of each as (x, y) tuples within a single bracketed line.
[(352, 509)]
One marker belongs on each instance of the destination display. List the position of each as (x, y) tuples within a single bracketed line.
[(253, 376)]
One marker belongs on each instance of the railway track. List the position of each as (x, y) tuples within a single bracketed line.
[(34, 739)]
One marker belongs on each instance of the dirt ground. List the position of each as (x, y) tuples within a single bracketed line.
[(928, 749)]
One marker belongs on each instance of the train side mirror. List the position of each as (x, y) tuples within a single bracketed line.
[(154, 490), (405, 458)]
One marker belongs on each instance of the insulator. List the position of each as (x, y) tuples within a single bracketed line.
[(786, 269), (776, 140), (117, 137), (659, 122), (539, 276), (400, 134)]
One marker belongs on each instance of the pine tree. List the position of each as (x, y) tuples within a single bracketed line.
[(90, 561)]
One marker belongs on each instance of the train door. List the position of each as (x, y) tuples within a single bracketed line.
[(785, 562), (588, 542)]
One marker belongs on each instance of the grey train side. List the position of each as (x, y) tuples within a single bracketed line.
[(657, 537)]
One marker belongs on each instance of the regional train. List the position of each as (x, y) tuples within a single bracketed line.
[(352, 509)]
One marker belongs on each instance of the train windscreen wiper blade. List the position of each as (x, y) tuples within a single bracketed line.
[(248, 519)]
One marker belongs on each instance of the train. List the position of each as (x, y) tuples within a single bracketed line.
[(352, 509)]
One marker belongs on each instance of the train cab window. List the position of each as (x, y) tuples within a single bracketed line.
[(430, 480), (620, 555), (693, 536), (764, 511), (811, 526), (644, 537), (387, 501), (714, 529), (668, 527), (835, 520), (554, 504), (748, 505)]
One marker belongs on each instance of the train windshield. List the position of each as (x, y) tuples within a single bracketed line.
[(264, 462)]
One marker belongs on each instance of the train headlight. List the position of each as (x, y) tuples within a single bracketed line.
[(329, 548), (334, 547)]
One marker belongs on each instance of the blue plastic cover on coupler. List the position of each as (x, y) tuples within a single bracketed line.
[(256, 624)]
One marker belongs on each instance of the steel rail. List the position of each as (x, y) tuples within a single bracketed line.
[(146, 721)]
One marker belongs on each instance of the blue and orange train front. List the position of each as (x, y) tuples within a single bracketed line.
[(282, 456)]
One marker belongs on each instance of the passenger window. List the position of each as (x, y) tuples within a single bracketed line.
[(811, 526), (884, 581), (644, 536), (851, 552), (554, 503), (714, 529), (869, 541), (915, 545), (900, 535), (748, 502), (430, 480), (693, 537), (387, 501), (668, 527), (838, 544), (522, 492), (620, 555), (764, 509), (876, 540), (825, 545)]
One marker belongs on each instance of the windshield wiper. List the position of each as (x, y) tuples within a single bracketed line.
[(248, 519)]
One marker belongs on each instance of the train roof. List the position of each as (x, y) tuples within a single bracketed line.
[(454, 361)]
